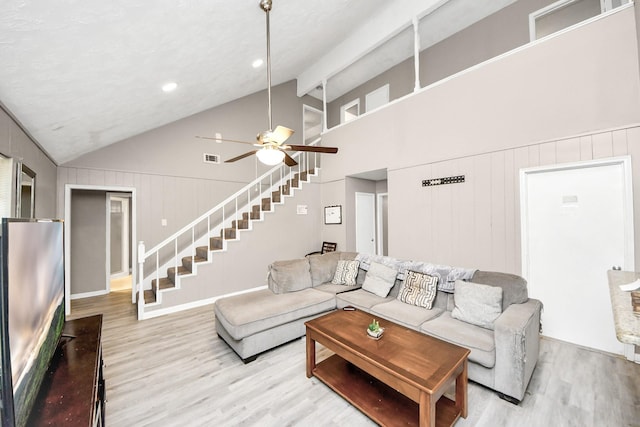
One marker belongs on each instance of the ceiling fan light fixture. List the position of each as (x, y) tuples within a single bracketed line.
[(270, 156)]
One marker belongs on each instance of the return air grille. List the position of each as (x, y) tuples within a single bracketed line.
[(211, 158)]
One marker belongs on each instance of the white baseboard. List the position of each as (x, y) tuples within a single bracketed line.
[(195, 304), (89, 294)]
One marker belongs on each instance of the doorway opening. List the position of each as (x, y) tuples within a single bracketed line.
[(88, 249), (367, 212), (119, 240)]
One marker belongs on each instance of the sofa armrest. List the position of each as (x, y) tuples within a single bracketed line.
[(517, 336)]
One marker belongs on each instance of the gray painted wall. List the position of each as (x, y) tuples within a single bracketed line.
[(533, 107), (88, 241), (172, 182), (501, 32), (15, 143)]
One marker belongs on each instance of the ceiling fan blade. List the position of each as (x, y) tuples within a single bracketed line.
[(224, 139), (312, 148), (288, 160), (242, 156), (280, 134)]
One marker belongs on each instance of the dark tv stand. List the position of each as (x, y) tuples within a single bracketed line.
[(73, 390)]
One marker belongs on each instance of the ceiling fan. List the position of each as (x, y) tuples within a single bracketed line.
[(271, 142)]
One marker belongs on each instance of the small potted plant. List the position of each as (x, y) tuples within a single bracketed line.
[(374, 330)]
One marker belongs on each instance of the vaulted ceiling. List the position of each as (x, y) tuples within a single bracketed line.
[(79, 75)]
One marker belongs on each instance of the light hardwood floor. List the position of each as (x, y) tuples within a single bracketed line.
[(175, 371)]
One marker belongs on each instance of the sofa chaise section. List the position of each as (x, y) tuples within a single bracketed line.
[(298, 290)]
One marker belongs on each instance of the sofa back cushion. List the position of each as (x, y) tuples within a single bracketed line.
[(514, 287), (289, 276), (323, 267)]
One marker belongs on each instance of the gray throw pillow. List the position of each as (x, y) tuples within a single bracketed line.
[(418, 289), (514, 287), (346, 273), (289, 276), (379, 279), (477, 304)]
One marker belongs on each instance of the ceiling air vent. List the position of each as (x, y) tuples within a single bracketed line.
[(212, 158)]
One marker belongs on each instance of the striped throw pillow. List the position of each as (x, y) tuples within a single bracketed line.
[(418, 289)]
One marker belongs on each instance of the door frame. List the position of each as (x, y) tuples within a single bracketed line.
[(127, 245), (380, 214), (68, 188), (624, 161)]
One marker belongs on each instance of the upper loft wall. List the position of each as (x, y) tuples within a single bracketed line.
[(17, 144), (579, 81), (501, 32), (494, 35)]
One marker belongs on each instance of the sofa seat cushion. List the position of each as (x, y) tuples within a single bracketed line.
[(360, 298), (479, 340), (335, 289), (408, 315), (246, 314)]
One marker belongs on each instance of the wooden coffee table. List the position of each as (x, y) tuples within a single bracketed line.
[(399, 379)]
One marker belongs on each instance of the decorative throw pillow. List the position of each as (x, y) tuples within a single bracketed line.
[(379, 279), (418, 289), (346, 273), (477, 304)]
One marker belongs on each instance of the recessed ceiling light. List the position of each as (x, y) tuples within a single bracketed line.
[(169, 87), (257, 63)]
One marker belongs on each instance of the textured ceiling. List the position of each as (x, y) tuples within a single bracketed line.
[(80, 75)]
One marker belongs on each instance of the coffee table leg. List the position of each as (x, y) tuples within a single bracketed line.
[(427, 410), (311, 355), (461, 391)]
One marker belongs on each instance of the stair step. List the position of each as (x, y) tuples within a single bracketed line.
[(266, 204), (149, 296), (295, 182), (171, 272), (229, 233), (165, 283), (242, 224), (286, 189), (202, 252), (187, 261), (216, 243), (256, 214), (276, 196)]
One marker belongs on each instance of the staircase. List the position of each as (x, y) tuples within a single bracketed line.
[(162, 268)]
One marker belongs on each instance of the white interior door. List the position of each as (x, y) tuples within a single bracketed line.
[(366, 223), (577, 222)]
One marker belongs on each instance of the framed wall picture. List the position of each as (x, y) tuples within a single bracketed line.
[(333, 214)]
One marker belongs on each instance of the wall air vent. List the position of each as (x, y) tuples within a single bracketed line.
[(211, 158)]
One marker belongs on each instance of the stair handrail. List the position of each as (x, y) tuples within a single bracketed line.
[(219, 206)]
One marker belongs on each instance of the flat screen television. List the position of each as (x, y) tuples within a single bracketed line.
[(32, 300)]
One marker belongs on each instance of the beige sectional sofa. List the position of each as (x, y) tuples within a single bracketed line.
[(503, 352)]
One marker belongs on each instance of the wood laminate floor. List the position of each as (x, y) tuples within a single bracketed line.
[(175, 371)]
